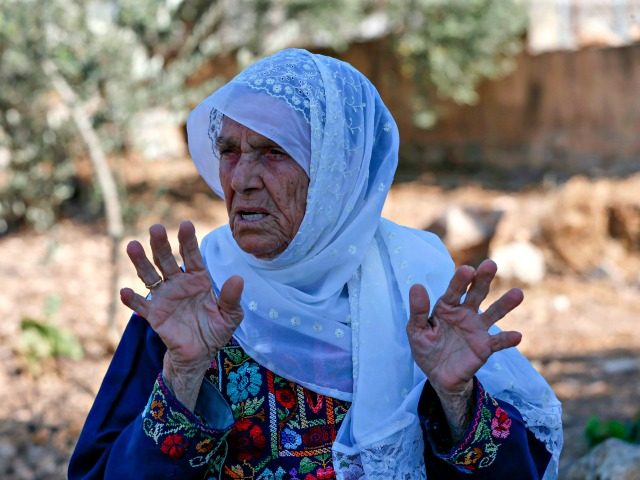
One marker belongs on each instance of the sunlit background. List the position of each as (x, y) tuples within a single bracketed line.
[(520, 140)]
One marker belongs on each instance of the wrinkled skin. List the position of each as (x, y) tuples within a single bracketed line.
[(183, 310), (265, 193), (453, 343), (258, 176)]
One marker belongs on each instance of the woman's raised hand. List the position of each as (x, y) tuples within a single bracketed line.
[(183, 309), (453, 343)]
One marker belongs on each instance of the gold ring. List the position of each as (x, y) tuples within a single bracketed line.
[(153, 285)]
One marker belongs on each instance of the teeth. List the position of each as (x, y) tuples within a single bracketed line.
[(252, 217)]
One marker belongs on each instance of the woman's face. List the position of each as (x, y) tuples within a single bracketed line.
[(265, 190)]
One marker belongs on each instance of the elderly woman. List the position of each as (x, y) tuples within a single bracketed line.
[(310, 338)]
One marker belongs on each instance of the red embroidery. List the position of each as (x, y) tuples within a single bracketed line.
[(318, 405), (316, 436), (500, 424), (248, 440), (286, 398), (326, 473), (174, 446)]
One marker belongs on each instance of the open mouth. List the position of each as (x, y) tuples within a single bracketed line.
[(252, 216)]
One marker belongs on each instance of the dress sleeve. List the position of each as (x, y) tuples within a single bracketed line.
[(138, 429), (495, 445)]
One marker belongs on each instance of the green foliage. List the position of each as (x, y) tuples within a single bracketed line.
[(597, 430), (42, 340), (447, 47), (450, 47), (35, 132)]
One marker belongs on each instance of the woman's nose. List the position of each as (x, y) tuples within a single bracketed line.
[(247, 173)]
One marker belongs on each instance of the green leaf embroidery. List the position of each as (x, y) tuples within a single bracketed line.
[(306, 465), (324, 457), (252, 405), (235, 355)]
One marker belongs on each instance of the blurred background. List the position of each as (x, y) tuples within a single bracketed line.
[(520, 140)]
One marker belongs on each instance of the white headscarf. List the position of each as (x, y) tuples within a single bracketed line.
[(330, 311)]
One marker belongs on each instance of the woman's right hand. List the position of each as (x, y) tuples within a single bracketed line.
[(183, 309)]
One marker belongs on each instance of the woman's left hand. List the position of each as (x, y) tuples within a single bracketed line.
[(453, 343)]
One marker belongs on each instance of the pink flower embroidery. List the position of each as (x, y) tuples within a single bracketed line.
[(326, 473), (500, 424)]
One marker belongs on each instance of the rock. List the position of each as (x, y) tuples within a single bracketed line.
[(561, 303), (624, 224), (613, 459), (615, 366), (520, 261), (7, 452), (576, 226), (467, 232)]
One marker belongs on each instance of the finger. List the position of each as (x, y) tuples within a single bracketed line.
[(458, 285), (144, 268), (481, 284), (419, 306), (503, 340), (162, 254), (135, 302), (189, 249), (502, 306), (229, 301)]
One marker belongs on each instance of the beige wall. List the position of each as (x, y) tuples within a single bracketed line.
[(567, 112)]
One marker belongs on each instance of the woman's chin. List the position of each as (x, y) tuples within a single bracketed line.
[(264, 249)]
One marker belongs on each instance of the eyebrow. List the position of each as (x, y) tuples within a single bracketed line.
[(231, 142), (226, 142)]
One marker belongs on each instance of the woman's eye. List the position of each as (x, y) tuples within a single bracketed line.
[(277, 151)]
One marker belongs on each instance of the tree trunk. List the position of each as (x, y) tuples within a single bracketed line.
[(104, 176)]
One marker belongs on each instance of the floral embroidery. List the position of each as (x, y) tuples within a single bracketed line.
[(177, 431), (282, 430), (249, 440), (479, 449), (290, 439), (174, 446), (286, 398), (325, 473), (246, 381), (204, 446), (316, 435), (157, 410), (500, 424)]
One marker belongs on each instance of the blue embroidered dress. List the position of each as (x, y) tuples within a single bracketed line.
[(250, 423)]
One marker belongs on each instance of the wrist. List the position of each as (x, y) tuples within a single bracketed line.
[(184, 381), (457, 391), (457, 405)]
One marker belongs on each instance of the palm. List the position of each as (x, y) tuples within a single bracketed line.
[(453, 343), (186, 316), (183, 310)]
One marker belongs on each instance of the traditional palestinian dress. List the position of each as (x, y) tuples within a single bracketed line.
[(318, 381)]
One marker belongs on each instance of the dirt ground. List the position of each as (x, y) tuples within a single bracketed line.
[(581, 333)]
